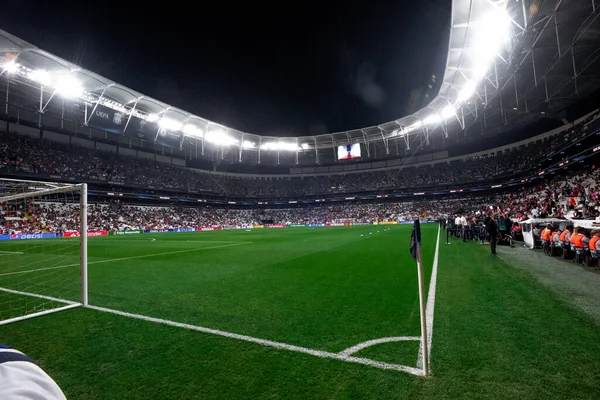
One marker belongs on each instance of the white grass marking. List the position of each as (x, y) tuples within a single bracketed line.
[(7, 290), (245, 338), (430, 305), (125, 258), (267, 343), (10, 253), (369, 343)]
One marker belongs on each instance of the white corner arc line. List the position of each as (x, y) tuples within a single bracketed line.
[(245, 338), (430, 304), (126, 258), (369, 343), (267, 343)]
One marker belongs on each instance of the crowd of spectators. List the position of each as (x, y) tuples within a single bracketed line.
[(19, 154), (576, 196)]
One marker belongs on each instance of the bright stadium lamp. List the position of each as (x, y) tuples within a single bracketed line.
[(41, 76), (448, 112), (433, 119), (152, 117), (193, 131), (305, 146), (68, 86), (170, 124), (466, 92), (248, 144), (10, 67), (269, 146)]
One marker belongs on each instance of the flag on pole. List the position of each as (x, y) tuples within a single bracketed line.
[(415, 238)]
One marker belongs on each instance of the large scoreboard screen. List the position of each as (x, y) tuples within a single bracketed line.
[(349, 151)]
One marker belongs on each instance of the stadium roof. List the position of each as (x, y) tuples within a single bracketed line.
[(508, 61)]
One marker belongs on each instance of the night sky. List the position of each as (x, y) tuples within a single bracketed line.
[(295, 69)]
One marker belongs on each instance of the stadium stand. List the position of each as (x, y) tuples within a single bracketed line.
[(42, 158)]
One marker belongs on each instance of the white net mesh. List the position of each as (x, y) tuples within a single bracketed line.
[(39, 247)]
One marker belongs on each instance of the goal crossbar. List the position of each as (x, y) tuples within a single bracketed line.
[(43, 192)]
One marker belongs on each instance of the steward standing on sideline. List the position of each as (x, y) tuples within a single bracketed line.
[(492, 227)]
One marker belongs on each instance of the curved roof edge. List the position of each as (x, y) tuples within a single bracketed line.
[(481, 32)]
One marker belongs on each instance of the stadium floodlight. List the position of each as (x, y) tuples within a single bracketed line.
[(433, 119), (10, 67), (41, 76), (448, 112), (467, 90), (68, 86), (170, 124), (248, 144), (305, 146), (193, 131), (279, 146), (220, 138), (152, 117)]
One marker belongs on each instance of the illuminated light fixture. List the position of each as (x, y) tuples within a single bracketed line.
[(448, 112), (193, 130), (10, 67), (467, 91), (68, 86), (41, 76), (279, 146), (152, 117), (220, 138), (170, 124), (433, 119), (304, 146), (248, 144)]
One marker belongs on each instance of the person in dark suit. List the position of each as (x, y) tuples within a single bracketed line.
[(492, 228)]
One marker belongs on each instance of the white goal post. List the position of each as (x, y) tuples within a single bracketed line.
[(43, 247)]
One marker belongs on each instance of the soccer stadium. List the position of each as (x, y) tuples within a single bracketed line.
[(149, 252)]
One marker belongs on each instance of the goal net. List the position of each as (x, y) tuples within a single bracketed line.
[(43, 248)]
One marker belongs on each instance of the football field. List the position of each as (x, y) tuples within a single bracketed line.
[(290, 313)]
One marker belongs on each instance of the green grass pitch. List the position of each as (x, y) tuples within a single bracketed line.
[(497, 333)]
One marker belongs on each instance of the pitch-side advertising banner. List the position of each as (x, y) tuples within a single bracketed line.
[(132, 232), (24, 236), (90, 233), (297, 226), (276, 226), (184, 230), (389, 222), (312, 225), (209, 228), (258, 226)]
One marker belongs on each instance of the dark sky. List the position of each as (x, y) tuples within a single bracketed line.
[(292, 69)]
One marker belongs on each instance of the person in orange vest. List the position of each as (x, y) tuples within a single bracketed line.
[(545, 236), (565, 236), (595, 246), (578, 239)]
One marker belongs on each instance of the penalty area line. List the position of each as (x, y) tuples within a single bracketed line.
[(126, 258)]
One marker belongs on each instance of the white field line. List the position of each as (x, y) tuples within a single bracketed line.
[(430, 305), (245, 338), (10, 253), (369, 343), (125, 258), (38, 296)]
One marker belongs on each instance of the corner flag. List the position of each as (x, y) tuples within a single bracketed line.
[(415, 239), (416, 253)]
